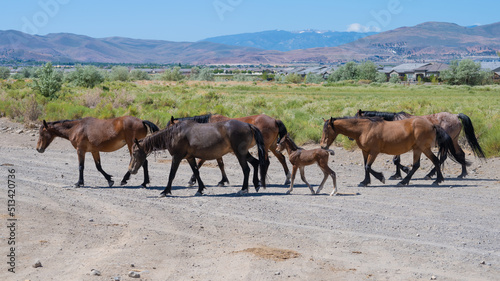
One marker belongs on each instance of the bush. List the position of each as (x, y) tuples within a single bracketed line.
[(395, 79), (312, 78), (119, 73), (206, 74), (293, 78), (172, 74), (48, 82), (380, 77), (4, 72), (88, 76), (137, 74)]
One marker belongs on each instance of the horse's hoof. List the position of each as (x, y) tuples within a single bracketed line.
[(220, 184), (123, 183), (288, 192), (334, 193), (257, 188), (242, 192), (110, 183), (362, 184), (287, 182), (383, 180), (78, 184), (427, 178), (144, 184), (198, 194), (189, 184), (395, 177), (462, 176), (435, 183), (164, 194)]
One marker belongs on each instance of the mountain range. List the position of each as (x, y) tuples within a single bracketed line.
[(427, 41), (281, 40)]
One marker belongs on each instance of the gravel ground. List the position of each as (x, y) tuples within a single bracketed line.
[(381, 232)]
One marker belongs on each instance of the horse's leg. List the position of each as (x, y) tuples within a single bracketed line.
[(437, 166), (97, 161), (192, 181), (325, 177), (294, 173), (81, 166), (367, 180), (303, 177), (171, 176), (146, 173), (334, 178), (397, 162), (282, 160), (461, 154), (242, 159), (255, 164), (377, 175), (224, 179), (196, 172), (416, 165)]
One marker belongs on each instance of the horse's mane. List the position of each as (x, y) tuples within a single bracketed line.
[(372, 118), (160, 140), (199, 118), (293, 145), (389, 116)]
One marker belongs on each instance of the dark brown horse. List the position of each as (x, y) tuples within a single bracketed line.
[(96, 135), (375, 135), (272, 130), (300, 158), (451, 123), (189, 140)]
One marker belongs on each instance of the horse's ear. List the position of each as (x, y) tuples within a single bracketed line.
[(172, 120), (137, 143), (324, 120), (45, 125)]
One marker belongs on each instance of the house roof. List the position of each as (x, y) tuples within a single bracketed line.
[(408, 67), (491, 65), (434, 67)]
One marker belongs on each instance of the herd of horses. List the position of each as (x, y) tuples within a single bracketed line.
[(211, 136)]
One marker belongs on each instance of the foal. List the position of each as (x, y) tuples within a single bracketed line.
[(300, 158)]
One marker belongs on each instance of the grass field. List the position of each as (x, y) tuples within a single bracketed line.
[(301, 107)]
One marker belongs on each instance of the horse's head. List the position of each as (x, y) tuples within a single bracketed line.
[(329, 134), (138, 157), (282, 144), (46, 135)]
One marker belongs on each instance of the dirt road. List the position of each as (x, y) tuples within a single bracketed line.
[(382, 232)]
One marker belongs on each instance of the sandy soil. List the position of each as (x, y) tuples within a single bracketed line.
[(382, 232)]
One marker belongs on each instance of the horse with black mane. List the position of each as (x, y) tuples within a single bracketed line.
[(451, 123), (375, 135), (96, 135), (189, 140), (272, 131)]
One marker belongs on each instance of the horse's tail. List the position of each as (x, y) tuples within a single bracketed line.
[(446, 147), (151, 126), (282, 131), (261, 149), (470, 135)]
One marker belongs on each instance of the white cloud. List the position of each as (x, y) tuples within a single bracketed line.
[(356, 27)]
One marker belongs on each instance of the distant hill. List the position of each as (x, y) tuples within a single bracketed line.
[(428, 41), (281, 40)]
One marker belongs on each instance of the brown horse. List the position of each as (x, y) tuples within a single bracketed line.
[(272, 130), (451, 123), (189, 140), (300, 158), (375, 135), (96, 135)]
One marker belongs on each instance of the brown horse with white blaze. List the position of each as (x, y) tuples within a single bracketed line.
[(375, 135), (96, 135), (272, 131)]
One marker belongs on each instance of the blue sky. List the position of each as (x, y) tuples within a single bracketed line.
[(195, 20)]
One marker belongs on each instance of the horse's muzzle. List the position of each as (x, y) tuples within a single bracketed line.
[(41, 150)]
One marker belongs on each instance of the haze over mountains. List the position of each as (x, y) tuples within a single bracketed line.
[(281, 40), (428, 41)]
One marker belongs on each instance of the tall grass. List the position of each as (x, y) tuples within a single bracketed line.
[(301, 107)]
